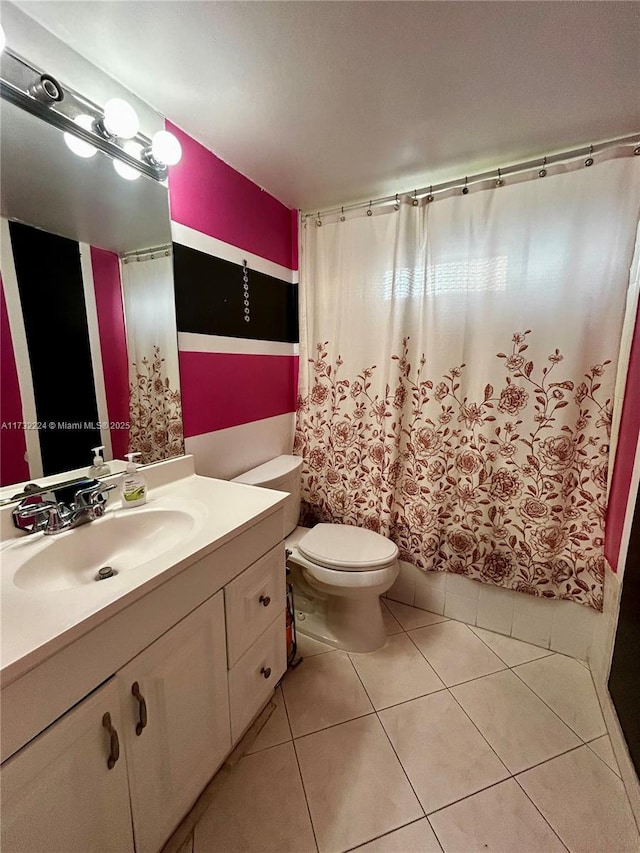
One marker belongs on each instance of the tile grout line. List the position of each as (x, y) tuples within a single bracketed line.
[(304, 790), (544, 702), (385, 834), (381, 724), (534, 804)]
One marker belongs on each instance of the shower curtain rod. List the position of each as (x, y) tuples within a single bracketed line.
[(497, 175), (146, 254)]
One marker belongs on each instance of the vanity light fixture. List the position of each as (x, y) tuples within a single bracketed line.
[(120, 120), (127, 172), (82, 149), (86, 126)]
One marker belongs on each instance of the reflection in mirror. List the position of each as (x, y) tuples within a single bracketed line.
[(87, 316)]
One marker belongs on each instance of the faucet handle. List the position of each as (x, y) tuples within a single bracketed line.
[(46, 515), (92, 496)]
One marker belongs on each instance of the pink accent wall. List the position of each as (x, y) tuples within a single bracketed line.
[(209, 196), (13, 467), (113, 343), (221, 390), (625, 455)]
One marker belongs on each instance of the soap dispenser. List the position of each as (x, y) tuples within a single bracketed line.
[(99, 467), (133, 484)]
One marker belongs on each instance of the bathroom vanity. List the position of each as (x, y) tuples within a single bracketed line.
[(122, 697)]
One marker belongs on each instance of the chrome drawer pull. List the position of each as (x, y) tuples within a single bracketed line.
[(264, 600), (114, 743), (141, 724), (266, 671)]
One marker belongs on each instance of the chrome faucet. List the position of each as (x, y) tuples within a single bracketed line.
[(53, 517)]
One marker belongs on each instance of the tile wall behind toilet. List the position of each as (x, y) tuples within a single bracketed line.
[(238, 377)]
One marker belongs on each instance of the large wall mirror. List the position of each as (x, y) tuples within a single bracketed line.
[(88, 335)]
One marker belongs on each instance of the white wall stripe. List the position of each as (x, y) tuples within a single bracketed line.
[(192, 342), (20, 349), (228, 452), (212, 246), (96, 350)]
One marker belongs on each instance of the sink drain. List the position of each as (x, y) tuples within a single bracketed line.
[(105, 572)]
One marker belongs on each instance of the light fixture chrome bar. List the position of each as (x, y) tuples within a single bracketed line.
[(459, 183), (54, 115), (62, 122)]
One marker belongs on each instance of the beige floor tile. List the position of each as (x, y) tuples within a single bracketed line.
[(602, 747), (442, 752), (510, 650), (455, 652), (390, 622), (276, 730), (413, 617), (355, 786), (417, 837), (567, 688), (501, 819), (584, 801), (395, 673), (322, 691), (308, 647), (258, 806), (517, 724)]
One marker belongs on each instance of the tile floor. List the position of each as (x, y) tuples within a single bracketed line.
[(449, 738)]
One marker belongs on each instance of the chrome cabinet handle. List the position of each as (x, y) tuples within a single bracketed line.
[(266, 671), (114, 743), (142, 722), (264, 600)]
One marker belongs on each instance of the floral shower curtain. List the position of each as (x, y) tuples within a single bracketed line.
[(155, 406), (457, 370)]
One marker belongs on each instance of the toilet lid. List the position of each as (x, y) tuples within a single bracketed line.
[(340, 546)]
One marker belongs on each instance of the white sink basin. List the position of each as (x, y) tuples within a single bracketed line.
[(121, 541)]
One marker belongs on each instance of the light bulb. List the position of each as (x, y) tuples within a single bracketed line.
[(78, 146), (165, 148), (120, 119), (125, 171), (3, 39)]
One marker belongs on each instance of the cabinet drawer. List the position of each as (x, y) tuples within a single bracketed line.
[(252, 600), (253, 678)]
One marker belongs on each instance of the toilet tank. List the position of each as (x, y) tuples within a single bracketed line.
[(283, 474)]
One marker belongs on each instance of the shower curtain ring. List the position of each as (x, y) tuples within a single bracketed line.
[(342, 216), (636, 150), (369, 211), (465, 188), (430, 196), (396, 206), (499, 180), (318, 220), (415, 201), (589, 160), (542, 173)]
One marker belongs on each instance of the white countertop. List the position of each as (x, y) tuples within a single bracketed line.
[(37, 623)]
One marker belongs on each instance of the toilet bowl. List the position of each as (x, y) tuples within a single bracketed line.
[(338, 571)]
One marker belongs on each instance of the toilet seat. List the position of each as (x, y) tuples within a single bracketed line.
[(341, 547)]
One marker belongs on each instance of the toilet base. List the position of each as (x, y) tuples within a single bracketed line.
[(354, 625)]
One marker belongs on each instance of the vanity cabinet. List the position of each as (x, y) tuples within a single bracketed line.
[(175, 721), (59, 795), (180, 674)]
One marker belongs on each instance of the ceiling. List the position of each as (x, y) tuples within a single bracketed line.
[(323, 103)]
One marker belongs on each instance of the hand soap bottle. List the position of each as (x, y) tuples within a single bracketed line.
[(99, 467), (133, 485)]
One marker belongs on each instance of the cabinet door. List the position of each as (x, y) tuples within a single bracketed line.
[(58, 793), (176, 721)]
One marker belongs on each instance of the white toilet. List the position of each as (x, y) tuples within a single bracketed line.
[(338, 571)]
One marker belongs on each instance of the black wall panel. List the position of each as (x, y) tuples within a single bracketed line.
[(210, 299), (55, 319)]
